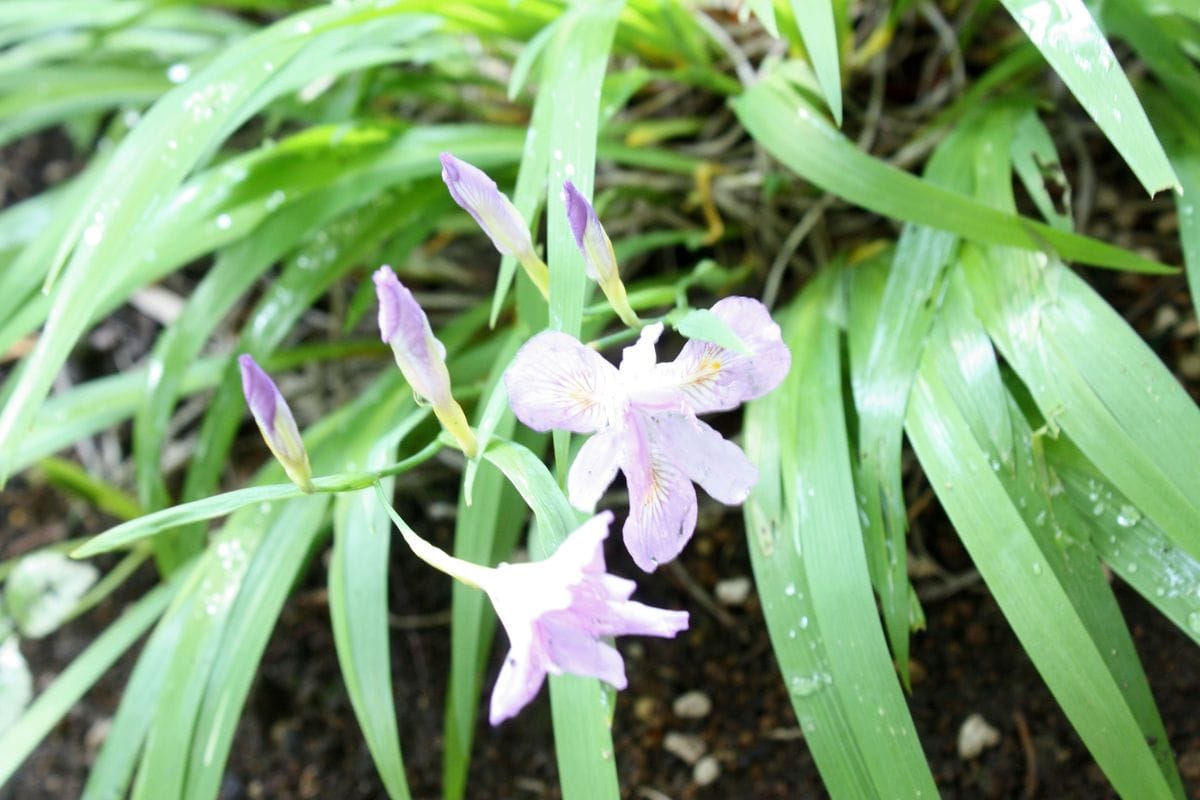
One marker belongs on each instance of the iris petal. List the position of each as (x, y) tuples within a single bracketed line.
[(556, 382), (715, 378)]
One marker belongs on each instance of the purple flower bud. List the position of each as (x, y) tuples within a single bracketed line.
[(404, 326), (420, 356), (597, 250), (472, 189), (275, 422), (590, 237)]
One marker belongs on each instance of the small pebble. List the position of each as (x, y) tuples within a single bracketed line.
[(693, 705), (1189, 365), (1189, 765), (645, 709), (685, 746), (1166, 318), (707, 770), (975, 736), (733, 591)]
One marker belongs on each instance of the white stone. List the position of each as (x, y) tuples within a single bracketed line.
[(975, 736), (685, 746), (692, 705), (707, 770), (733, 591)]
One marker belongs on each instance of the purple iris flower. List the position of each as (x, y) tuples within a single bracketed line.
[(275, 422), (644, 419), (557, 612)]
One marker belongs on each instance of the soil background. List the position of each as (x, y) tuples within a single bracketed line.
[(298, 737)]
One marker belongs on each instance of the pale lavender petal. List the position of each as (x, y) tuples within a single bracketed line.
[(403, 325), (519, 681), (556, 382), (713, 378), (594, 468), (472, 189), (662, 506), (590, 237), (630, 618), (583, 549), (639, 358), (615, 588), (705, 456), (579, 653)]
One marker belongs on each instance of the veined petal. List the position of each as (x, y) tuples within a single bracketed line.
[(705, 456), (472, 189), (403, 325), (583, 550), (275, 421), (556, 382), (594, 468), (713, 378), (519, 680), (639, 619), (662, 502), (574, 650)]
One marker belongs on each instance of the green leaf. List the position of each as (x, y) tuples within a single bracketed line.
[(1072, 43), (782, 121), (16, 684), (1057, 603), (700, 323), (882, 372), (814, 18), (490, 520), (575, 64), (1130, 543), (43, 589), (69, 476), (48, 96), (802, 526), (1095, 379), (358, 609), (272, 571), (114, 766), (180, 130), (53, 704), (150, 525)]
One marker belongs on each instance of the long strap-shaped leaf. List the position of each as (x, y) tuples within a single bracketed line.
[(885, 350), (182, 128), (1072, 42), (574, 68), (1056, 600), (795, 133), (53, 704), (805, 544), (581, 707)]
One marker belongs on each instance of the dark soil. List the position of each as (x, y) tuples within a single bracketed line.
[(298, 737)]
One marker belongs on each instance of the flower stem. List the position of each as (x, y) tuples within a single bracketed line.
[(434, 556)]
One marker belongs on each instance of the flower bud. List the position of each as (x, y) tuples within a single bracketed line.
[(472, 189), (275, 421), (420, 356), (598, 255)]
